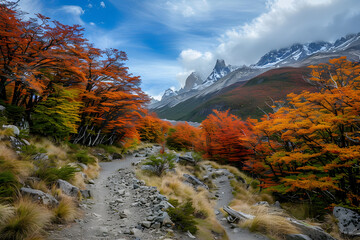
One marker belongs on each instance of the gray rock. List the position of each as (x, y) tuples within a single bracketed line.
[(277, 205), (297, 237), (263, 203), (348, 221), (14, 128), (117, 156), (146, 224), (90, 181), (314, 232), (83, 166), (195, 181), (16, 143), (2, 108), (164, 219), (156, 225), (40, 196), (26, 142), (85, 193), (41, 157), (67, 188)]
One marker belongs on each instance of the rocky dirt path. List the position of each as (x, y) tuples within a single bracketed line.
[(121, 208), (224, 196)]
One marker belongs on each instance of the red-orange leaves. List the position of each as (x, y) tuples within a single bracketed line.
[(222, 133)]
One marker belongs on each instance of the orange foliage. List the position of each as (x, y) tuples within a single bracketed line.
[(153, 129), (184, 136), (222, 135)]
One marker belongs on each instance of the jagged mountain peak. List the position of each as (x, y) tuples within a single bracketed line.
[(220, 64), (298, 52), (192, 81), (169, 93)]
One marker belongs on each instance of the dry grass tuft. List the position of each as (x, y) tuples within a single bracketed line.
[(28, 220), (78, 181), (57, 151), (92, 171), (66, 211), (9, 162), (273, 225), (6, 211), (40, 185)]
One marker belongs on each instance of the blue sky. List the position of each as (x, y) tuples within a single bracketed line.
[(168, 39)]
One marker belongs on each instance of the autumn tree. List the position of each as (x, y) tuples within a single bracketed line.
[(113, 100), (311, 147), (221, 134), (183, 136), (152, 129)]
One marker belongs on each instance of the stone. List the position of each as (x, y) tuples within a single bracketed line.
[(297, 237), (41, 157), (164, 219), (67, 188), (40, 196), (85, 193), (14, 128), (2, 108), (121, 192), (146, 224), (156, 225), (195, 181), (26, 142), (314, 232), (262, 203), (90, 181), (117, 156), (348, 221), (83, 166), (277, 205), (124, 213), (16, 143)]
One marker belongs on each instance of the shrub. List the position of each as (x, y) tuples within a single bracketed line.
[(161, 162), (8, 185), (50, 175), (29, 219), (66, 211), (183, 216), (82, 156), (30, 150)]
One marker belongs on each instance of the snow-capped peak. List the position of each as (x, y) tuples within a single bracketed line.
[(169, 93)]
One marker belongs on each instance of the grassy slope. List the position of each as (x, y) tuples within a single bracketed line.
[(243, 99)]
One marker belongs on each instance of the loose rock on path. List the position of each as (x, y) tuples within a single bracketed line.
[(122, 207)]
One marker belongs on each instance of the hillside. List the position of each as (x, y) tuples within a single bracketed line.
[(244, 98)]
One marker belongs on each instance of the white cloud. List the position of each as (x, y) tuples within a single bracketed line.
[(193, 60), (90, 5), (31, 6), (102, 4), (285, 22), (75, 12), (92, 24)]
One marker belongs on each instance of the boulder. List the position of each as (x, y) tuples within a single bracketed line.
[(67, 188), (314, 232), (2, 108), (14, 128), (40, 196), (85, 193), (146, 224), (348, 221), (195, 181)]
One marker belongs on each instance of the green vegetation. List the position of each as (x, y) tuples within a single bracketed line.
[(183, 216), (50, 175), (83, 156), (161, 162)]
